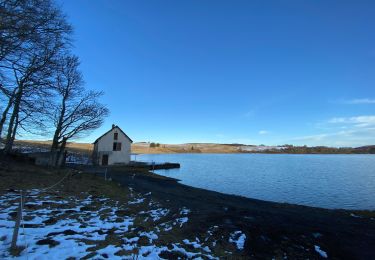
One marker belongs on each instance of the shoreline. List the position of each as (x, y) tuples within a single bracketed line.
[(116, 170), (337, 195), (345, 232), (179, 181)]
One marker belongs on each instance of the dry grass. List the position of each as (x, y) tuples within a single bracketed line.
[(185, 148)]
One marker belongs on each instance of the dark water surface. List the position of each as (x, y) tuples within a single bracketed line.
[(328, 181)]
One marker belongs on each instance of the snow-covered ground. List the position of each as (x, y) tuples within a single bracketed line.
[(72, 157), (23, 148), (60, 226), (77, 158), (56, 227)]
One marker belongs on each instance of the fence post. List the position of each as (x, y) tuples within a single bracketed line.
[(17, 225)]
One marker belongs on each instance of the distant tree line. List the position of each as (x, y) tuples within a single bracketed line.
[(290, 149), (153, 145), (42, 90)]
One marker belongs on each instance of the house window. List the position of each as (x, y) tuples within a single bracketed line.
[(116, 146), (115, 136)]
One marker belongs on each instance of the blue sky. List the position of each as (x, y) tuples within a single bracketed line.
[(254, 72)]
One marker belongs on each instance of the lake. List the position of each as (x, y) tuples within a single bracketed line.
[(327, 181)]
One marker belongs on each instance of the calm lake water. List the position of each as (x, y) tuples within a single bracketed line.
[(328, 181)]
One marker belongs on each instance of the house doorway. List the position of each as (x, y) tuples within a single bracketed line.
[(105, 159)]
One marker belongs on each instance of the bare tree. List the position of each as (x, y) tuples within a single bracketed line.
[(9, 96), (32, 78), (78, 111), (38, 78), (32, 34), (26, 22)]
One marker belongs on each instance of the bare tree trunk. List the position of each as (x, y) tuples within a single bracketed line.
[(61, 153), (15, 128), (55, 140), (5, 113), (16, 110), (4, 117)]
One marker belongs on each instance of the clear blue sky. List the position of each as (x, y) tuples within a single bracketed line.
[(254, 72)]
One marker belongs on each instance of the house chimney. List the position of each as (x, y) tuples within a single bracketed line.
[(113, 126)]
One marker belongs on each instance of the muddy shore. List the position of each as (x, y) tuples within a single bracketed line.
[(273, 230), (272, 227)]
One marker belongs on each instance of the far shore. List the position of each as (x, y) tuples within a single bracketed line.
[(156, 148)]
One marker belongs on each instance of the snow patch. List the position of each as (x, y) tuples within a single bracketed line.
[(238, 238), (137, 201), (157, 214), (320, 251)]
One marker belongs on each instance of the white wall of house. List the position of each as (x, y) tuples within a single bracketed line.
[(105, 146)]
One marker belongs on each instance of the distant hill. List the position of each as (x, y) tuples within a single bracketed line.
[(366, 149), (156, 148), (185, 148)]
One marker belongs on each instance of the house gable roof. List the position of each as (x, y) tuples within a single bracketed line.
[(97, 140)]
